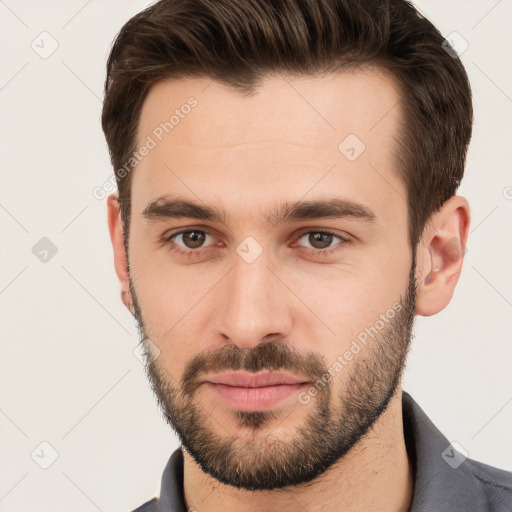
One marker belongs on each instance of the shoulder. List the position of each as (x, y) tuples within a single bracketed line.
[(149, 506), (494, 483), (445, 478)]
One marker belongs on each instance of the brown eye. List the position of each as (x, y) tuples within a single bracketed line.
[(189, 241), (193, 239), (320, 240)]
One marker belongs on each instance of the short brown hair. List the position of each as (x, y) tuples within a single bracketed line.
[(238, 42)]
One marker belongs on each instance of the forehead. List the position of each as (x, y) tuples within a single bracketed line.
[(352, 99), (296, 135)]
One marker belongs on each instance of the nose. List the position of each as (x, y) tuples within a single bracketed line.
[(254, 304)]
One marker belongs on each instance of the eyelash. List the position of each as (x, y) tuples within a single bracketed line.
[(169, 241)]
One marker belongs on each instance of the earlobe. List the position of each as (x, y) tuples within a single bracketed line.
[(443, 248), (126, 297), (116, 229)]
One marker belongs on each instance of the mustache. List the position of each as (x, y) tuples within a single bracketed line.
[(271, 356)]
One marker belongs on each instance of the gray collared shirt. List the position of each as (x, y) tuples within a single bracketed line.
[(444, 480)]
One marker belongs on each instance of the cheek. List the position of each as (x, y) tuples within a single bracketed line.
[(167, 290), (169, 302), (349, 297)]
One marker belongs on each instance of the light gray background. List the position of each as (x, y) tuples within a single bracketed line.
[(68, 373)]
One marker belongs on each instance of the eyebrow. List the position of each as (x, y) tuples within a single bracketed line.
[(164, 207)]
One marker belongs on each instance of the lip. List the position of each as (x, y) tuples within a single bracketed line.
[(254, 392), (254, 380)]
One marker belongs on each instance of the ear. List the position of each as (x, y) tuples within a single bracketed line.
[(441, 254), (116, 228)]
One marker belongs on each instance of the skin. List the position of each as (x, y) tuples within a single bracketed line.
[(248, 155)]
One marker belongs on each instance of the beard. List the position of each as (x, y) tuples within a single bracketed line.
[(336, 422)]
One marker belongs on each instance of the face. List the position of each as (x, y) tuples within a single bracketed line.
[(270, 270)]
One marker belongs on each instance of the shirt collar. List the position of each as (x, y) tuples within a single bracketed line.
[(438, 486)]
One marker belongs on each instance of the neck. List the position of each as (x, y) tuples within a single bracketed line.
[(375, 475)]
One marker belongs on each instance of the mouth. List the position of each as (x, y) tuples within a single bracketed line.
[(254, 392)]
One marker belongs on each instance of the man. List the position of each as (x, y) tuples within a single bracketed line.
[(287, 175)]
